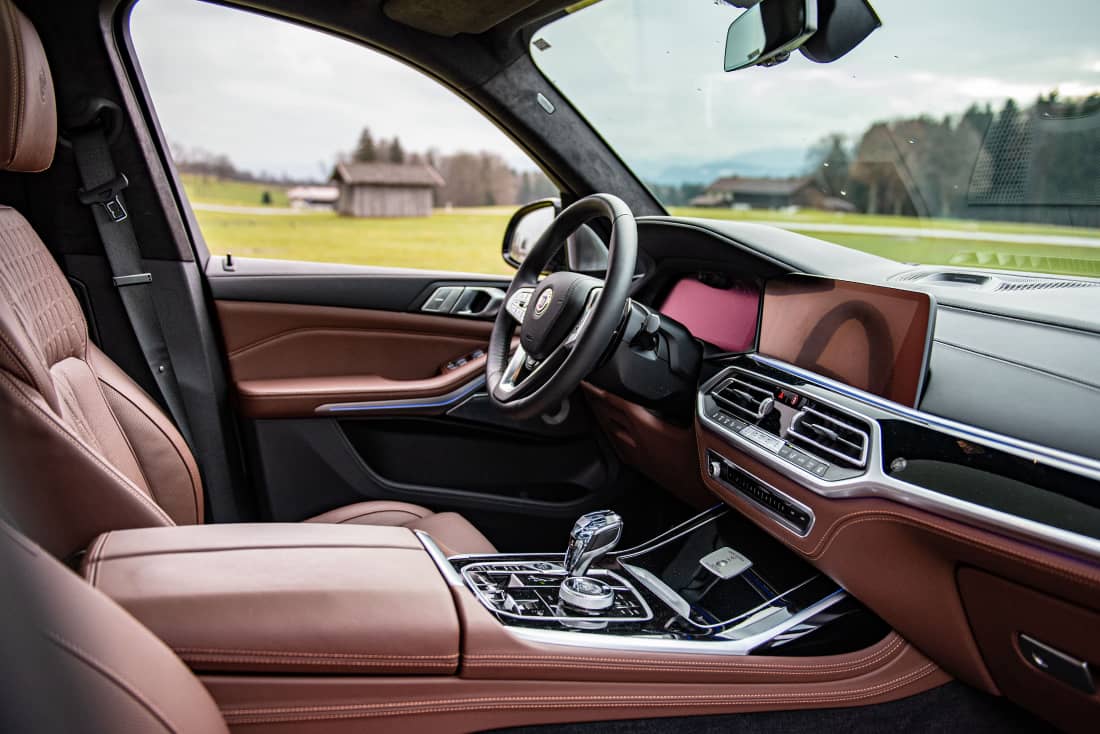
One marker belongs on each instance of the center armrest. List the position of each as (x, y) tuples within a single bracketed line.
[(279, 597)]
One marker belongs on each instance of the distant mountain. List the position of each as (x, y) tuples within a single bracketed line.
[(765, 163)]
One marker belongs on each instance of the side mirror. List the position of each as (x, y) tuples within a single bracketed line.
[(525, 227), (584, 251)]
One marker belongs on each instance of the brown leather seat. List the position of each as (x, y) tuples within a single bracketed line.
[(76, 661), (84, 449)]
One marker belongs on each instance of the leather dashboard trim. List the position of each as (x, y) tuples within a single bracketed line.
[(901, 561), (459, 704)]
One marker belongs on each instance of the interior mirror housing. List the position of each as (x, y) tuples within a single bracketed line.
[(823, 30), (767, 32), (842, 25), (525, 227)]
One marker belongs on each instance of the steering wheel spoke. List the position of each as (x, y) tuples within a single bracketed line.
[(523, 374), (566, 320)]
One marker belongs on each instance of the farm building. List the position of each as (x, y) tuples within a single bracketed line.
[(765, 193), (313, 197), (378, 189)]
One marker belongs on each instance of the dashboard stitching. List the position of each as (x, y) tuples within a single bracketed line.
[(872, 515), (241, 716), (891, 650)]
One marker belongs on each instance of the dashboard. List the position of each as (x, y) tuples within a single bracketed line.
[(933, 449), (830, 382)]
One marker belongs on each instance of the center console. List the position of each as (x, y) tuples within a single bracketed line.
[(361, 627), (715, 584)]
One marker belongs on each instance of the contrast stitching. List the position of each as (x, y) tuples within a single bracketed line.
[(290, 653), (279, 336), (386, 665), (375, 512), (52, 424), (301, 713), (114, 677), (835, 529), (830, 535), (18, 358), (682, 665), (230, 549), (195, 490), (16, 78)]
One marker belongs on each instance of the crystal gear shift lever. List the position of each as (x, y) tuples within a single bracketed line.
[(593, 536)]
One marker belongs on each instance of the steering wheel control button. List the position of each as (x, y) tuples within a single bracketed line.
[(516, 305), (589, 594), (725, 563)]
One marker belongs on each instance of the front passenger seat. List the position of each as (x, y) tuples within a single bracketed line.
[(83, 449)]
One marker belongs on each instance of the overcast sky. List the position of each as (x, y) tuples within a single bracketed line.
[(647, 73), (279, 97)]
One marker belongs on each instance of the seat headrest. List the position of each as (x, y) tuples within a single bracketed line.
[(28, 112)]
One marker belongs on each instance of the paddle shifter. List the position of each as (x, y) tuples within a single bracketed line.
[(594, 535)]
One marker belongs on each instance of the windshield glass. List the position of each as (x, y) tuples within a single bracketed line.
[(959, 133)]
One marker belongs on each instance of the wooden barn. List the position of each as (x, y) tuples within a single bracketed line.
[(379, 189)]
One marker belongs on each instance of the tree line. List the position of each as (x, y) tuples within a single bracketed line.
[(1010, 162), (471, 178)]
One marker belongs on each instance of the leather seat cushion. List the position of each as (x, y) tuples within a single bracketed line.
[(451, 532)]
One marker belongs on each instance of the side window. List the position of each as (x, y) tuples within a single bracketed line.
[(294, 144)]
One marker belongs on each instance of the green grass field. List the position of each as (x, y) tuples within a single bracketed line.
[(210, 190), (469, 239)]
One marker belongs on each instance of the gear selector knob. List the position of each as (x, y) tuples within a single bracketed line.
[(595, 534)]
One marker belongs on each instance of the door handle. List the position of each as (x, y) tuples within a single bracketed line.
[(471, 301)]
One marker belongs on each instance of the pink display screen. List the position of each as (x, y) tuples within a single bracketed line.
[(724, 317)]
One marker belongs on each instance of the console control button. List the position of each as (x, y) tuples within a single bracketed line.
[(767, 440)]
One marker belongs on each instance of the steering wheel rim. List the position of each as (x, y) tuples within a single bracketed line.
[(576, 320)]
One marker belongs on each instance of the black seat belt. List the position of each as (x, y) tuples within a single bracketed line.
[(102, 191)]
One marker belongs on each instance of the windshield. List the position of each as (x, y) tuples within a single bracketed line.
[(959, 133)]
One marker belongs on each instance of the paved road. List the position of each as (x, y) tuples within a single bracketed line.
[(940, 234)]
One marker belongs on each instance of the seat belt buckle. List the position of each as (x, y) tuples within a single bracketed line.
[(107, 196)]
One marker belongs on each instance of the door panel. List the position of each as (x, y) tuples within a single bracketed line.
[(363, 395), (289, 360)]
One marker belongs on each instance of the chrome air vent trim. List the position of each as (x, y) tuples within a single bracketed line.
[(801, 426), (1062, 459), (874, 482)]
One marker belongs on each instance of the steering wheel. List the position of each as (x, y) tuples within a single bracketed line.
[(566, 320)]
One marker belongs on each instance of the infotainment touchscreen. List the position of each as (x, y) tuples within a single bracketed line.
[(870, 337)]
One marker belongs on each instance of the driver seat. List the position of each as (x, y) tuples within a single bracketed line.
[(84, 449)]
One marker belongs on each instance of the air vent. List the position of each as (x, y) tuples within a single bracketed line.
[(832, 434), (746, 395)]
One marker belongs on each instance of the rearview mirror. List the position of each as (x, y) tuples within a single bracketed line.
[(823, 30), (766, 33)]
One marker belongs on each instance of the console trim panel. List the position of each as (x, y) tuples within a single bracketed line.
[(874, 482)]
